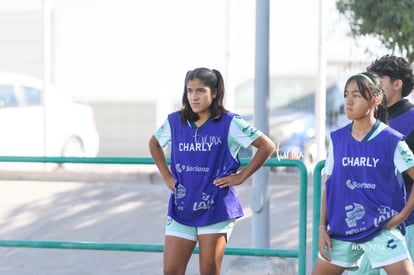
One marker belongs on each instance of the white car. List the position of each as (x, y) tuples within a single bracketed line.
[(37, 124)]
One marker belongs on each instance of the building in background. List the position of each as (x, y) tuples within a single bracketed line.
[(128, 59)]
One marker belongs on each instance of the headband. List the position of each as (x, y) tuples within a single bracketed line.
[(377, 91)]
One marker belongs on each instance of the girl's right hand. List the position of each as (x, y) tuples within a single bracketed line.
[(323, 243), (170, 182)]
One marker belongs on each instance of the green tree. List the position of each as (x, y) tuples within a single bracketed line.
[(391, 22)]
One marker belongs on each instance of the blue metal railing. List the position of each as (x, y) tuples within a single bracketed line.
[(317, 193), (300, 253)]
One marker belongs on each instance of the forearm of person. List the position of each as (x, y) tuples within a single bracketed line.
[(265, 148), (409, 206), (323, 222), (324, 241), (158, 156)]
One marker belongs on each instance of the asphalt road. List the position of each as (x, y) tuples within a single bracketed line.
[(125, 207)]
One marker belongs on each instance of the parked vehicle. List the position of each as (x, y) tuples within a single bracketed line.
[(293, 132), (293, 127), (34, 123)]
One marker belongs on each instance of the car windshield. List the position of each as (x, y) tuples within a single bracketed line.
[(32, 96), (7, 97)]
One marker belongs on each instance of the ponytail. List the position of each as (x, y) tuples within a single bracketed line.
[(381, 111), (214, 80)]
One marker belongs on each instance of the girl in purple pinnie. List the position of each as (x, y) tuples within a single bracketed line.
[(205, 140)]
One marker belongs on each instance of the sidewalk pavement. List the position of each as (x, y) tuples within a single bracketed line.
[(126, 207)]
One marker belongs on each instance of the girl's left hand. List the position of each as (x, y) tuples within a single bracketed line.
[(227, 181), (394, 221)]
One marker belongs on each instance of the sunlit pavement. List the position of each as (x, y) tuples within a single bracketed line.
[(124, 206)]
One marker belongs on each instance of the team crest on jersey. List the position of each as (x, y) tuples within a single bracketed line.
[(180, 191)]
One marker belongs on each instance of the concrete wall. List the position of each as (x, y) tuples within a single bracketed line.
[(21, 44), (125, 127)]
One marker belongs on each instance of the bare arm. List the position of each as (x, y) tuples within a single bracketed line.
[(158, 156), (408, 207), (324, 239), (265, 148)]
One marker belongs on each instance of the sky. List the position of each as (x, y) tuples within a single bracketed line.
[(141, 50)]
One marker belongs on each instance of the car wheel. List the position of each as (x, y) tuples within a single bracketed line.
[(73, 148)]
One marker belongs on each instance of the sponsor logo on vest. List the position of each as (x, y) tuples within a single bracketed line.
[(180, 167), (354, 212), (187, 168), (385, 213), (360, 161), (364, 185), (355, 231), (206, 202)]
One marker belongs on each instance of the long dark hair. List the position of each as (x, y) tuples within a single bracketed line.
[(368, 86), (214, 80)]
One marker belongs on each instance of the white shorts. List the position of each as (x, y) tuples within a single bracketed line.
[(174, 228)]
